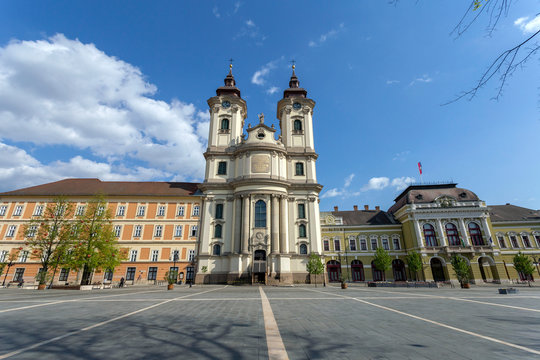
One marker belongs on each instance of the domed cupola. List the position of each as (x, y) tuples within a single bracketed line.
[(294, 89), (230, 85)]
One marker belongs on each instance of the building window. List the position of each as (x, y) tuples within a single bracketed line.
[(502, 243), (514, 241), (219, 211), (385, 244), (180, 211), (224, 124), (196, 210), (352, 244), (3, 255), (152, 273), (337, 245), (117, 230), (80, 210), (121, 210), (373, 244), (326, 245), (155, 255), (141, 210), (303, 249), (60, 210), (222, 168), (11, 230), (452, 235), (178, 231), (260, 214), (23, 256), (476, 234), (191, 255), (537, 238), (161, 211), (429, 235), (217, 231), (297, 125), (176, 255), (31, 232), (301, 211), (190, 272), (299, 168), (19, 272), (130, 273), (158, 231), (396, 244), (133, 255), (3, 209), (100, 210), (108, 275), (216, 250), (137, 231), (526, 241), (363, 244), (302, 231), (194, 230), (18, 210), (64, 274), (38, 210)]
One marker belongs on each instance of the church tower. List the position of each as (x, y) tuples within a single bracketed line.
[(260, 213)]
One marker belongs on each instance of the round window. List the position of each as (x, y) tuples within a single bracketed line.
[(260, 135)]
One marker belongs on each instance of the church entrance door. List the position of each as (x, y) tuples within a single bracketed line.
[(259, 267)]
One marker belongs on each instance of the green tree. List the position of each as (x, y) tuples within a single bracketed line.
[(48, 236), (382, 261), (414, 261), (315, 266), (523, 264), (461, 268), (94, 245)]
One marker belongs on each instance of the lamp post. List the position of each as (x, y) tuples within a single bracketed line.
[(175, 259), (535, 262), (9, 265)]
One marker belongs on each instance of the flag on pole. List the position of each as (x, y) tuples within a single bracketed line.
[(420, 167)]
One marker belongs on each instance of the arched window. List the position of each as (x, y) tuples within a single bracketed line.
[(452, 235), (429, 235), (216, 249), (303, 249), (219, 211), (297, 125), (476, 234), (260, 214), (302, 230), (217, 231), (224, 124)]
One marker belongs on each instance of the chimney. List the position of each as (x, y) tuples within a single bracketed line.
[(366, 207), (377, 208), (335, 208), (355, 207)]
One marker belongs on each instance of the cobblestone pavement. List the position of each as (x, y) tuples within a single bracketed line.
[(226, 322)]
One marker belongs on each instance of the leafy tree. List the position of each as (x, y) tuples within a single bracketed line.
[(523, 264), (94, 245), (414, 261), (382, 260), (171, 277), (315, 266), (461, 268), (49, 235)]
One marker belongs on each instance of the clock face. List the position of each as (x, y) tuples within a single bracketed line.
[(297, 106), (226, 104)]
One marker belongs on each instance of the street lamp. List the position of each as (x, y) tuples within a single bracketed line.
[(175, 259), (9, 265)]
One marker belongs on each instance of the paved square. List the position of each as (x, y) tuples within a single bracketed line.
[(225, 322)]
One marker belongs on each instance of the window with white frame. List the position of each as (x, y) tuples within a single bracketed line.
[(23, 256), (502, 243), (191, 255), (38, 211), (155, 255), (140, 210), (100, 210), (152, 273), (537, 238), (121, 210), (385, 244), (31, 232), (158, 230), (19, 272), (326, 245), (513, 241), (133, 255), (363, 244), (64, 274), (176, 255), (3, 209), (3, 255), (373, 244), (526, 241), (396, 243), (178, 231), (161, 210), (196, 210), (80, 210), (117, 230), (193, 230), (60, 210), (18, 210), (11, 230), (337, 245), (352, 244), (180, 211), (137, 231)]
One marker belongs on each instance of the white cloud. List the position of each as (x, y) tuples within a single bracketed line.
[(402, 156), (258, 77), (391, 82), (341, 192), (63, 92), (332, 193), (424, 79), (236, 7), (250, 23), (348, 180), (376, 183), (251, 31), (324, 37), (402, 182), (215, 11), (528, 27), (272, 90)]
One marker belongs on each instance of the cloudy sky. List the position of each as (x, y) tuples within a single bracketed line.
[(117, 90)]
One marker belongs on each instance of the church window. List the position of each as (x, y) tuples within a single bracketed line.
[(452, 234), (260, 214), (302, 231), (224, 124), (217, 231), (219, 211), (301, 211), (429, 235), (476, 234), (303, 249), (216, 250), (297, 125), (222, 168), (299, 168)]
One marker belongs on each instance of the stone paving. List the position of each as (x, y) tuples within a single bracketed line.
[(226, 322)]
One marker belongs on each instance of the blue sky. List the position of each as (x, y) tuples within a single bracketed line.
[(118, 90)]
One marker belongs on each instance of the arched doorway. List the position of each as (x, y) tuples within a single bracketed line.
[(357, 270), (488, 269), (333, 268), (398, 267), (259, 266), (437, 269), (378, 275)]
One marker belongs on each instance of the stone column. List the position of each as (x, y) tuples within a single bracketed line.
[(283, 226), (245, 224), (275, 225), (485, 225), (237, 225), (464, 233), (440, 229), (418, 232)]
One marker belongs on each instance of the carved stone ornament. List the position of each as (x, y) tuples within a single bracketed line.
[(288, 110), (330, 219), (216, 108), (260, 164), (235, 108)]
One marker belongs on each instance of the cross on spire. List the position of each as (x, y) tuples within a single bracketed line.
[(293, 62), (230, 63)]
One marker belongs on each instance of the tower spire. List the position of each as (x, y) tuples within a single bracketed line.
[(294, 89), (230, 84)]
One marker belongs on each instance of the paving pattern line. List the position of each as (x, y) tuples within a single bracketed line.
[(276, 348), (489, 338), (17, 352)]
